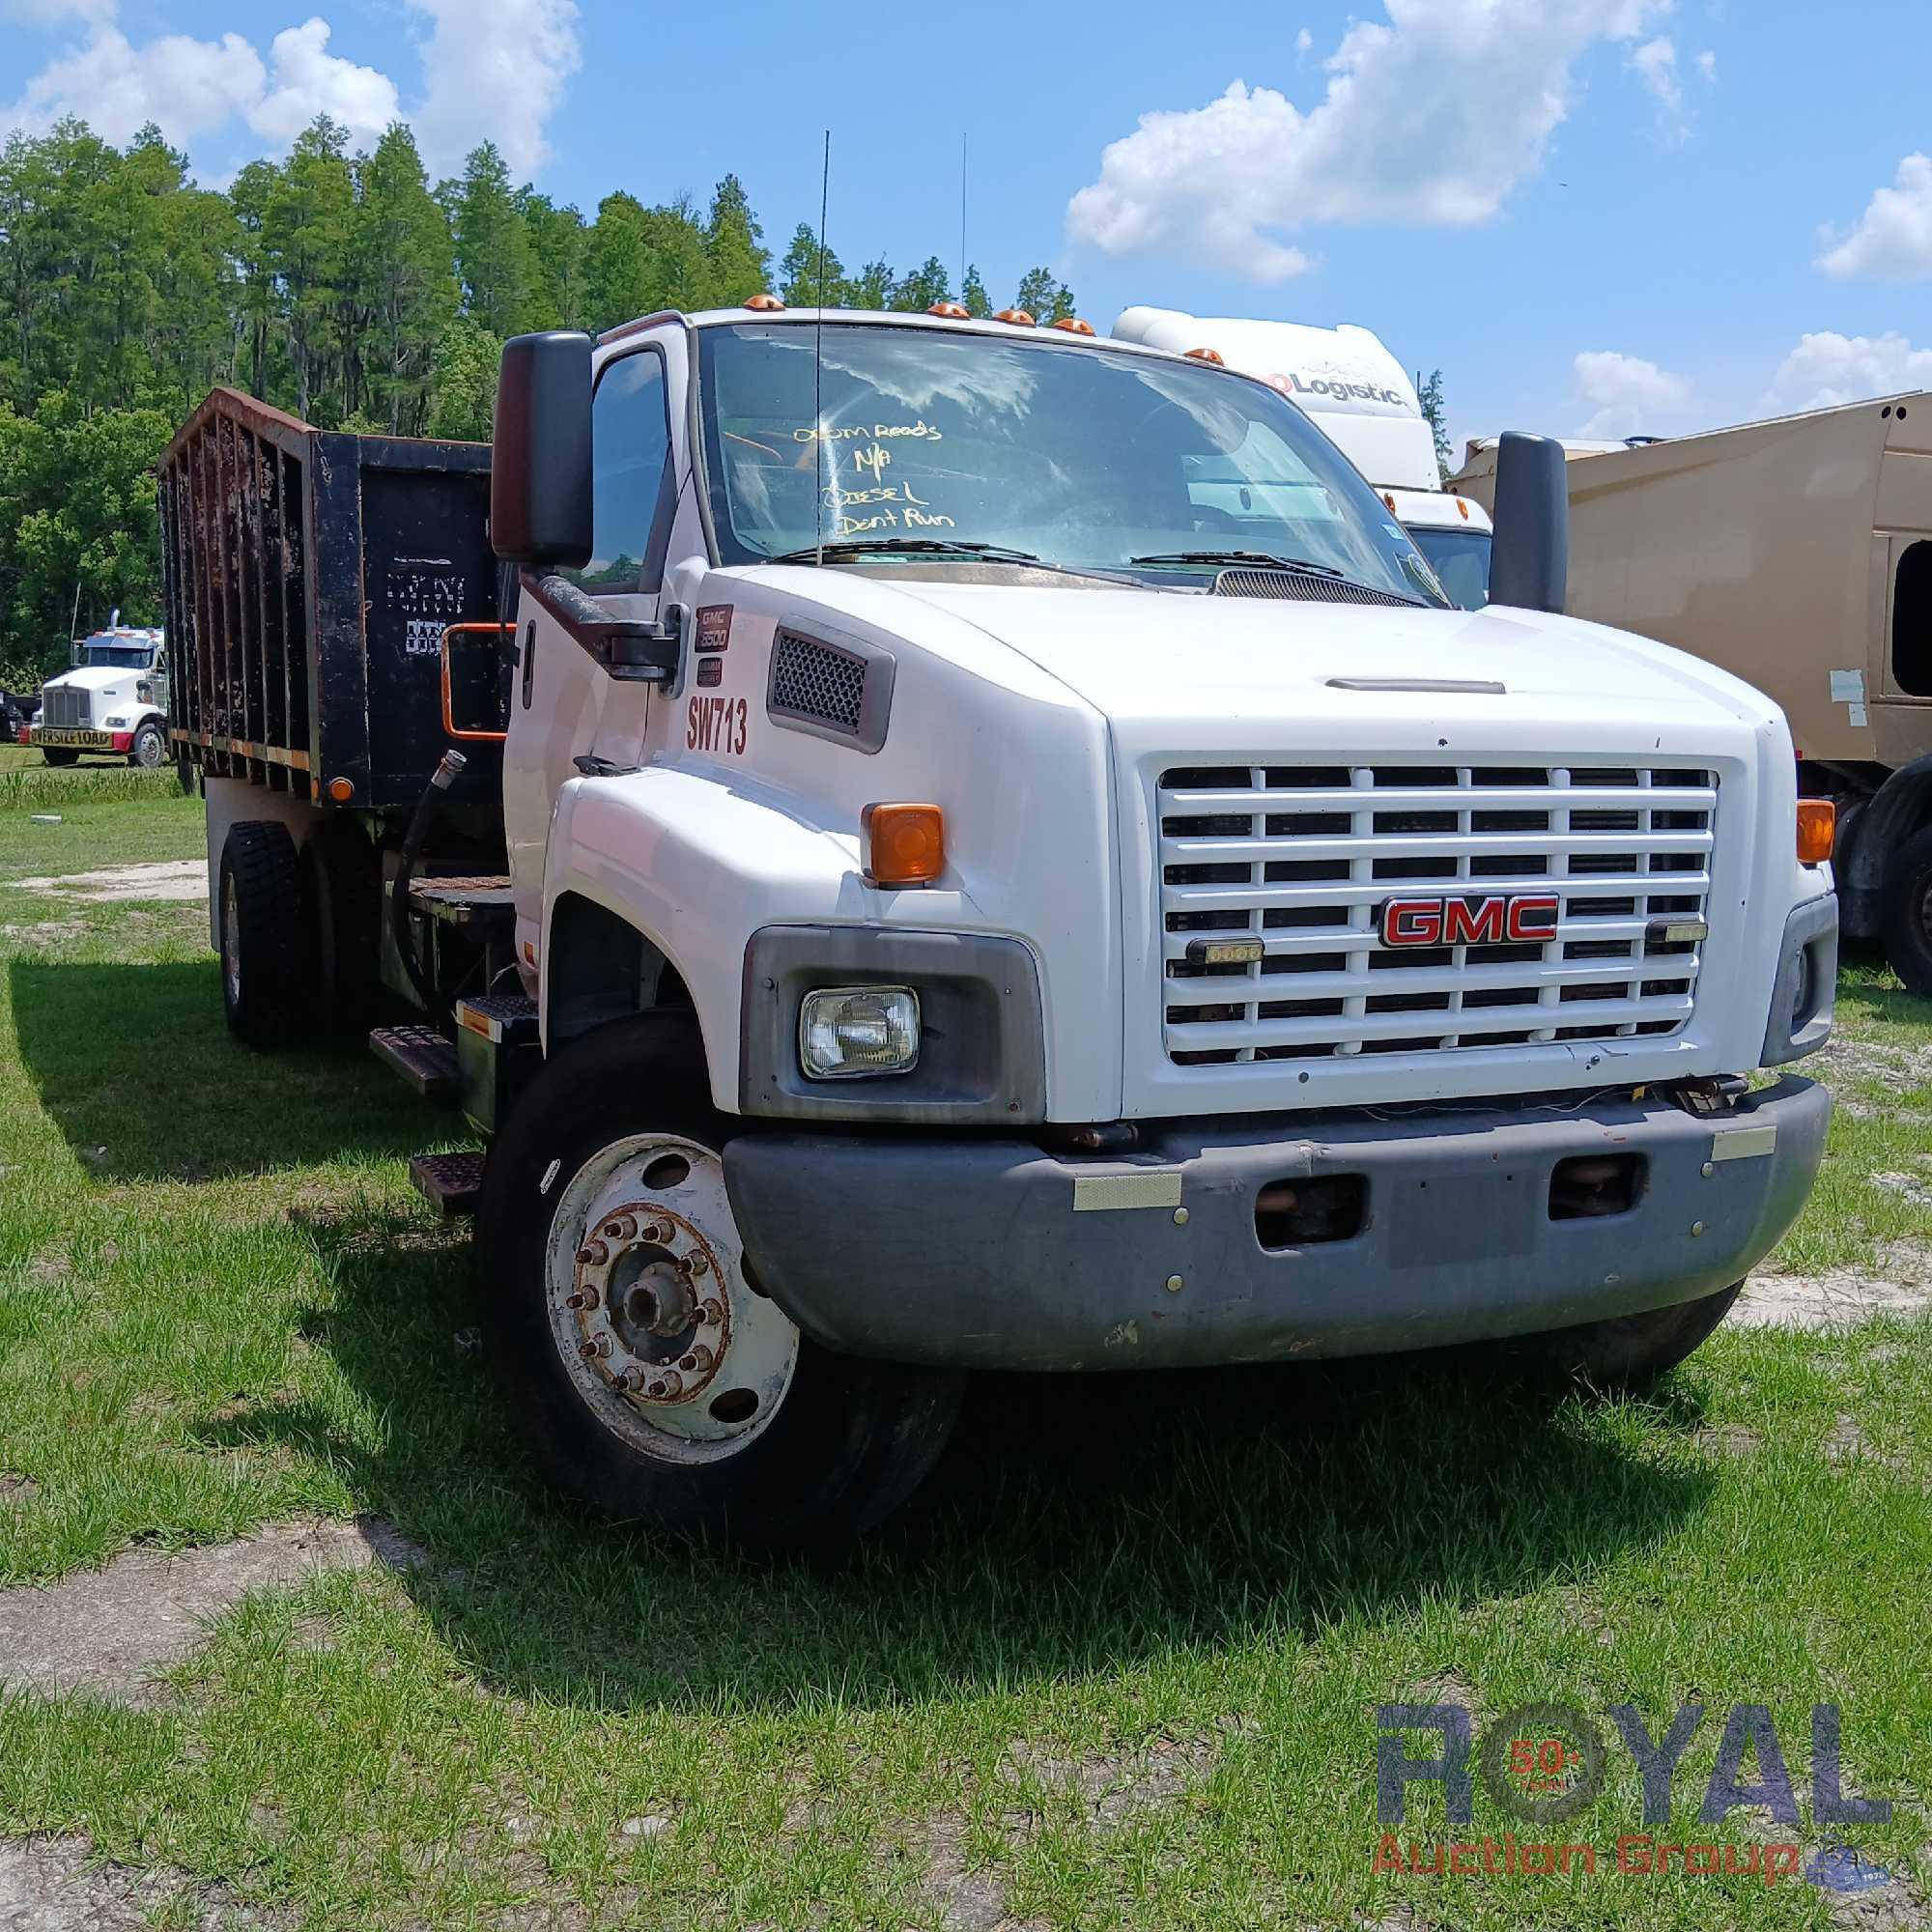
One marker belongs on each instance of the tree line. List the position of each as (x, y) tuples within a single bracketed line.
[(346, 287)]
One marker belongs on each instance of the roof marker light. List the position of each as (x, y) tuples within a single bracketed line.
[(1212, 356), (1074, 325), (1020, 318), (952, 311), (765, 305)]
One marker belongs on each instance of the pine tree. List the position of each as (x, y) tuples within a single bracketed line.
[(799, 273), (306, 231), (493, 243), (972, 294), (1043, 295), (406, 268), (737, 262), (1435, 412), (559, 247), (925, 285), (871, 286)]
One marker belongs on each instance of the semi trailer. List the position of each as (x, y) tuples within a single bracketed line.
[(905, 874), (1796, 552), (1363, 400)]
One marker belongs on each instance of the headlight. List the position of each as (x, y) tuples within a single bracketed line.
[(117, 723), (844, 1031)]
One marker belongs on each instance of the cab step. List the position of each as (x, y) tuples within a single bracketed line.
[(420, 1057), (450, 1183)]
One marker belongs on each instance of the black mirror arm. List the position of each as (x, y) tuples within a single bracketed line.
[(632, 652)]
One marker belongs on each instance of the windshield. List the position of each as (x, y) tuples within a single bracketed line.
[(120, 657), (1461, 561), (1082, 458)]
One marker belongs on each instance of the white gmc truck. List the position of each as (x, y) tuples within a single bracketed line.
[(1009, 860)]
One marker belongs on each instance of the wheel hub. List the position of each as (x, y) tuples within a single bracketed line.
[(658, 1328), (645, 1291)]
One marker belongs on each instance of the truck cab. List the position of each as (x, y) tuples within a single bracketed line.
[(1012, 861), (113, 699), (1363, 400)]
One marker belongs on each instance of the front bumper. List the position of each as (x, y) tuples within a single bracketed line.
[(992, 1254)]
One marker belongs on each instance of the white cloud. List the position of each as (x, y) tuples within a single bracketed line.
[(1827, 369), (1432, 116), (1655, 64), (491, 69), (494, 70), (309, 80), (1707, 64), (1892, 240), (1304, 42), (1633, 397), (187, 87)]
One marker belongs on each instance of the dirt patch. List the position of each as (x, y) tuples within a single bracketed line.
[(1109, 1789), (16, 1489), (1840, 1298), (162, 879), (111, 1633), (1891, 1064), (55, 1884), (1733, 1439)]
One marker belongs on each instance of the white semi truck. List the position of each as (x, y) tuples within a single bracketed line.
[(114, 701), (1364, 402), (944, 881)]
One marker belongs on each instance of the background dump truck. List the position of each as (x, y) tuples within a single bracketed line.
[(1366, 405), (908, 875), (1797, 553), (114, 701)]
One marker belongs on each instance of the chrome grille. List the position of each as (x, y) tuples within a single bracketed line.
[(65, 704), (1302, 859)]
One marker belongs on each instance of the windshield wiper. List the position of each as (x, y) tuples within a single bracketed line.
[(1264, 558), (845, 547), (1269, 560)]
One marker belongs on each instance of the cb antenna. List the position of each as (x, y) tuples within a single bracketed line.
[(962, 215), (817, 363)]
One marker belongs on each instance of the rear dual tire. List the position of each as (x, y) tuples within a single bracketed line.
[(680, 1395), (265, 989)]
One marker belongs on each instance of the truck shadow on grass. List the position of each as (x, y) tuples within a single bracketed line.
[(1076, 1526), (135, 1066)]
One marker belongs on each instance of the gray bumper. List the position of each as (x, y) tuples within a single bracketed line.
[(973, 1253)]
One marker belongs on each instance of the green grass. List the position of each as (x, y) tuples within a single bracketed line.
[(221, 1305)]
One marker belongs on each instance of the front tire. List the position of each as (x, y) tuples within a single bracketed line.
[(264, 983), (149, 751), (1633, 1351), (58, 758), (1908, 913), (649, 1377)]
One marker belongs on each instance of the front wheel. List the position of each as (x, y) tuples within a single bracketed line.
[(649, 1373), (149, 751), (59, 758), (1633, 1350)]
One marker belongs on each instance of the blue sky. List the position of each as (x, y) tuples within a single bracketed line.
[(1593, 215)]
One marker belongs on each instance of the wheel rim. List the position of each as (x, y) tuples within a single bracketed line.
[(230, 942), (661, 1336), (147, 750)]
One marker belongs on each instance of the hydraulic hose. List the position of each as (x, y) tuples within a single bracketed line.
[(401, 929)]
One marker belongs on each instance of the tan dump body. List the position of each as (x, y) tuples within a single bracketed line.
[(1783, 551)]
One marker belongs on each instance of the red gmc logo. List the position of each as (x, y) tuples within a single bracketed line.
[(1526, 919)]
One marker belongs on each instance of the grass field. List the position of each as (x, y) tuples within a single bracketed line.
[(1117, 1668)]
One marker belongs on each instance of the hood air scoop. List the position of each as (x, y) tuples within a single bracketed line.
[(1303, 587)]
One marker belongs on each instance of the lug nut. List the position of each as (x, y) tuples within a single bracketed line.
[(699, 1361), (593, 1254), (711, 1313), (700, 1266), (573, 1301), (587, 1349), (673, 1384)]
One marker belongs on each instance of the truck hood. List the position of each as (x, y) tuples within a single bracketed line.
[(1146, 656), (96, 678)]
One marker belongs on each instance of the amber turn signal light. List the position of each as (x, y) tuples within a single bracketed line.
[(1074, 325), (902, 844), (950, 311), (764, 304), (1817, 821), (1212, 356)]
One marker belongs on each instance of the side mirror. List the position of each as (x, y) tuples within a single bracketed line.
[(540, 469), (74, 653), (1529, 566)]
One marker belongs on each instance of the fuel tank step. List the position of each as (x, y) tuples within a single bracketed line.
[(420, 1057), (450, 1183)]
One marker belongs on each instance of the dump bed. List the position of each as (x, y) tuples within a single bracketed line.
[(310, 576)]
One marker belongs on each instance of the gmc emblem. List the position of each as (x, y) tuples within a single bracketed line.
[(1524, 918)]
